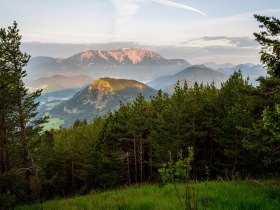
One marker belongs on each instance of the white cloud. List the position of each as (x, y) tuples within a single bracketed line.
[(221, 41), (124, 10), (179, 5)]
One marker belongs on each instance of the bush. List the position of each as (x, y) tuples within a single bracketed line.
[(7, 201)]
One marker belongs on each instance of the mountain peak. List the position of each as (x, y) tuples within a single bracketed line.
[(134, 63), (101, 96), (111, 85), (133, 55), (87, 54), (100, 85), (136, 55)]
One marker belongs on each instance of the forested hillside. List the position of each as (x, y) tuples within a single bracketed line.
[(233, 130), (101, 96)]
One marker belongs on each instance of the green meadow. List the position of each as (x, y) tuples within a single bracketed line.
[(54, 123), (245, 195)]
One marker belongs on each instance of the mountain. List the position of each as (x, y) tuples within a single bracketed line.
[(248, 70), (215, 66), (122, 63), (170, 89), (42, 60), (160, 82), (98, 98), (51, 99), (41, 66), (198, 73), (121, 57), (60, 95), (59, 82)]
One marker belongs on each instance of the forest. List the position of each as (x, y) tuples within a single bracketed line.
[(234, 131)]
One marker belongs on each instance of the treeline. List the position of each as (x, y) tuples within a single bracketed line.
[(234, 131), (226, 127)]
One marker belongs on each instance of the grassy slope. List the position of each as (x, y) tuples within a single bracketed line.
[(221, 195), (54, 123)]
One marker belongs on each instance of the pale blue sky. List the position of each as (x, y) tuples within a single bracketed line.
[(181, 23)]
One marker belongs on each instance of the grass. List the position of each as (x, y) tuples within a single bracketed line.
[(221, 196)]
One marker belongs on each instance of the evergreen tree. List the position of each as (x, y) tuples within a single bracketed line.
[(23, 105), (269, 40), (262, 138), (236, 108)]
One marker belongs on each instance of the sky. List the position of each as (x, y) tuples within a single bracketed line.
[(196, 30)]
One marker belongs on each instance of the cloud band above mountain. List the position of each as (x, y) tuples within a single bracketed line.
[(221, 41), (237, 41)]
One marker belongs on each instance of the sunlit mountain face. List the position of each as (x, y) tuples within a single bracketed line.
[(100, 97)]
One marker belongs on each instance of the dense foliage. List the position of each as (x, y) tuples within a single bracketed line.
[(233, 130), (19, 174), (226, 127)]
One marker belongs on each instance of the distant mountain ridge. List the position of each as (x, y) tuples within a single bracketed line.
[(98, 98), (216, 66), (129, 63), (253, 71), (59, 82), (248, 70), (197, 73), (122, 56)]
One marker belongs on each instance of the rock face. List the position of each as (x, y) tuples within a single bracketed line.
[(120, 56), (98, 98)]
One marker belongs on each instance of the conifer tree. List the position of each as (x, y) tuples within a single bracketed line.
[(22, 105), (269, 40), (236, 108), (262, 138)]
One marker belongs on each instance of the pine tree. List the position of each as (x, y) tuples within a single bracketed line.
[(262, 138), (22, 108), (269, 40), (5, 106), (236, 107)]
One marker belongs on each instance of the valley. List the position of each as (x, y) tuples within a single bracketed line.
[(139, 104), (68, 93)]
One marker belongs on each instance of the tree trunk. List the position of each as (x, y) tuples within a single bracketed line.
[(26, 156), (128, 168), (28, 174), (64, 191), (135, 161), (211, 141), (73, 177), (151, 162), (5, 162), (141, 159), (193, 132)]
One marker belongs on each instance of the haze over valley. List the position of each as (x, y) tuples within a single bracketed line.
[(66, 81), (155, 42), (140, 104)]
